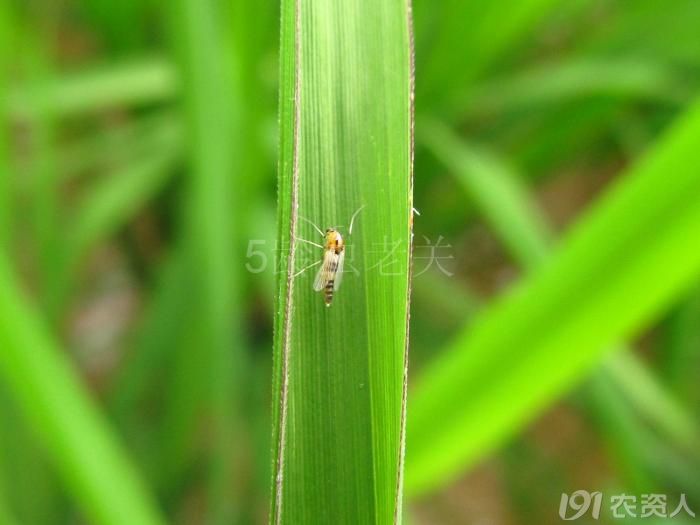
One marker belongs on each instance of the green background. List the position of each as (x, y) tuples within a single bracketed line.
[(555, 332)]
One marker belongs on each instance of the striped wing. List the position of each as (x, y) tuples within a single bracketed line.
[(339, 271), (328, 270)]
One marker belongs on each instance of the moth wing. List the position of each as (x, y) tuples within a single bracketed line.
[(327, 270), (320, 277), (339, 271)]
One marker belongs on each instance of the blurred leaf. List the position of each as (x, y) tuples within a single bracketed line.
[(469, 37), (575, 132), (6, 517), (645, 394), (27, 488), (30, 486), (112, 201), (625, 439), (94, 468), (633, 445), (121, 25), (682, 349), (339, 372), (211, 361), (155, 425), (435, 321), (137, 82), (555, 325), (44, 200), (110, 204), (6, 201), (649, 28), (544, 85), (162, 326), (512, 213), (504, 203), (115, 146), (507, 206)]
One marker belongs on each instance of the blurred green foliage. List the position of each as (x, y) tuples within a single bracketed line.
[(138, 158)]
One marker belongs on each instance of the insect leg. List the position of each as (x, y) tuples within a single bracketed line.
[(319, 230), (310, 242), (352, 220), (306, 268)]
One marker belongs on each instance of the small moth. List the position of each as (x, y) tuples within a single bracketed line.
[(330, 274)]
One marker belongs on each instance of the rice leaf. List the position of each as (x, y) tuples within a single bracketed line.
[(340, 371)]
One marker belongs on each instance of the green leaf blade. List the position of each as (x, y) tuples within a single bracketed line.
[(79, 442), (515, 219), (555, 326), (340, 370)]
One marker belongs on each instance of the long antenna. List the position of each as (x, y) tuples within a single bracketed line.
[(314, 225), (352, 220)]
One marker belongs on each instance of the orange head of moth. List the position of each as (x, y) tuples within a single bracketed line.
[(334, 241)]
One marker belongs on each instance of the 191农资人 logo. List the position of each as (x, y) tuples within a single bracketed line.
[(621, 506)]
